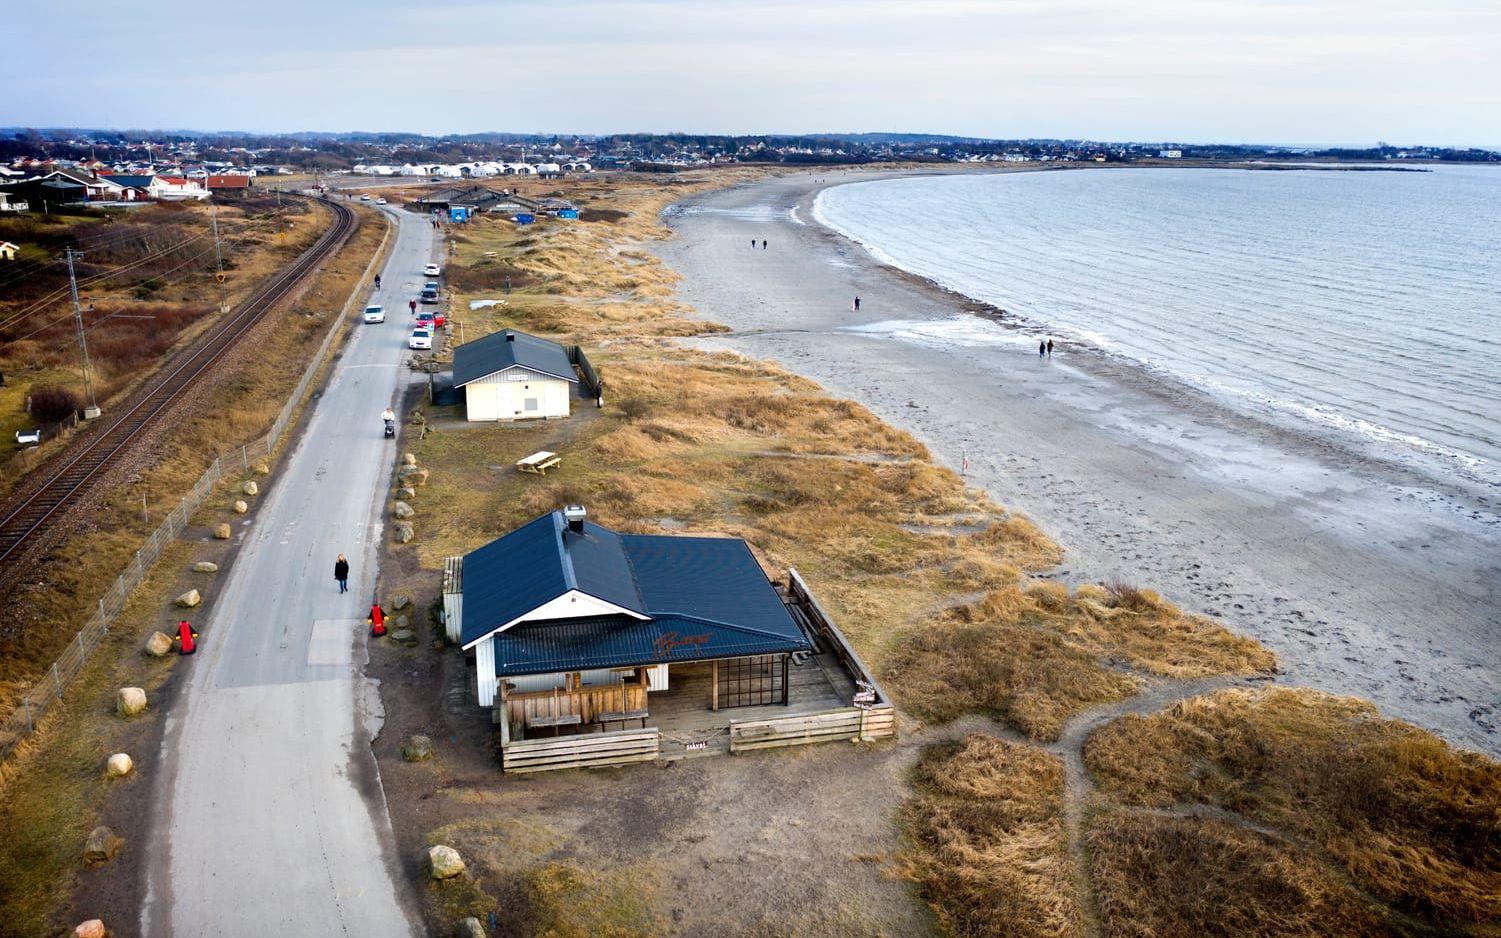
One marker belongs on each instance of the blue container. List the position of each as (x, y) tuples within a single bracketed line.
[(459, 213), (572, 213), (524, 219)]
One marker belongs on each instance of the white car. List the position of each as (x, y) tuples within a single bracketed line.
[(380, 201), (375, 314), (364, 198), (420, 338), (432, 270)]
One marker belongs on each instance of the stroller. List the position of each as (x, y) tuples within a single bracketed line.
[(390, 429)]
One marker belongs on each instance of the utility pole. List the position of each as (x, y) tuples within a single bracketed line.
[(92, 410), (213, 214)]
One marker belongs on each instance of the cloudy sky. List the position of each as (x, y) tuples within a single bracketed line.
[(1286, 71)]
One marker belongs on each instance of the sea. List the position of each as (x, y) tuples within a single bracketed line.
[(1364, 305)]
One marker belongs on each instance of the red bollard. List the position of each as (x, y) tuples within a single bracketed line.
[(377, 620), (186, 638)]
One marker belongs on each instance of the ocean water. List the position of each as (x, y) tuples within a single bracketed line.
[(1365, 305)]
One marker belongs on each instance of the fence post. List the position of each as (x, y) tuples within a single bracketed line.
[(26, 705), (245, 457), (57, 682)]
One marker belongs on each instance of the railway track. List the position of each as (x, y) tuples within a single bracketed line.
[(77, 471)]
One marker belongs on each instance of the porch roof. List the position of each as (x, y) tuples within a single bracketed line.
[(620, 641)]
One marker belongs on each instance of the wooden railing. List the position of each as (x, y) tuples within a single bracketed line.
[(587, 702), (852, 723), (585, 751)]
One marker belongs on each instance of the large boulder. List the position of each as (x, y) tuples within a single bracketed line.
[(240, 507), (400, 601), (405, 471), (221, 531), (251, 487), (406, 491), (402, 510), (418, 478), (93, 928), (444, 862), (418, 748), (158, 645), (101, 846), (119, 765), (402, 531), (408, 460), (205, 566), (404, 637), (261, 468), (471, 928), (189, 599), (130, 701)]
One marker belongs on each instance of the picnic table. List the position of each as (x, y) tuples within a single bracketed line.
[(539, 463)]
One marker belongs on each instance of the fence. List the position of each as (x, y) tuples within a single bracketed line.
[(40, 697), (586, 370), (829, 726), (590, 750)]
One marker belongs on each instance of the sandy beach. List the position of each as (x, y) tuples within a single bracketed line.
[(1364, 577)]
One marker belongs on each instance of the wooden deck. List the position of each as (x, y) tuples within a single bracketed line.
[(689, 728)]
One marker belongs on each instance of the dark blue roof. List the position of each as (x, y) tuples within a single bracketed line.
[(709, 588), (129, 181), (496, 352), (538, 562), (620, 641)]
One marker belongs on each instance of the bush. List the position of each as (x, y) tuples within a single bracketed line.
[(51, 404)]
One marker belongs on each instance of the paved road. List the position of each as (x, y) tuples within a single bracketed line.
[(273, 821)]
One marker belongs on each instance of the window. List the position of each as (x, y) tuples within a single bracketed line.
[(530, 403)]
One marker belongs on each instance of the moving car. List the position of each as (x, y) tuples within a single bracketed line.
[(364, 198), (421, 338), (375, 314), (432, 270), (380, 201)]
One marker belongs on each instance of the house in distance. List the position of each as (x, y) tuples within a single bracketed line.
[(510, 375)]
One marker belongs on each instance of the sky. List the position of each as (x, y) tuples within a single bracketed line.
[(1301, 72)]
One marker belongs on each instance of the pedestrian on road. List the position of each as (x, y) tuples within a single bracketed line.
[(1042, 349), (377, 281), (1050, 348), (412, 305), (341, 573), (857, 304)]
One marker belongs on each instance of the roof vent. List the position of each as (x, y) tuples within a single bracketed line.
[(511, 337), (574, 515)]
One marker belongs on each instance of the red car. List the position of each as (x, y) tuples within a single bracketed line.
[(437, 319)]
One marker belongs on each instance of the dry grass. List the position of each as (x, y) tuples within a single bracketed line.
[(989, 854), (1406, 818), (1035, 655), (1168, 876)]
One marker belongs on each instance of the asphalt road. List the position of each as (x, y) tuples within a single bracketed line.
[(272, 820)]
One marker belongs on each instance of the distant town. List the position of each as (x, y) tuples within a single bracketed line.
[(195, 156)]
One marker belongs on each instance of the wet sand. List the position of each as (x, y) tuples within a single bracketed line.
[(1364, 577)]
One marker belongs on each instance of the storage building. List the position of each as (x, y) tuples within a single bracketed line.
[(514, 376)]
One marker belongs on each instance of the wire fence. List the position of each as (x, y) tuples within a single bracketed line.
[(49, 691)]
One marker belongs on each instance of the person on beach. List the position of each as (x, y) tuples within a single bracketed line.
[(753, 244), (857, 304), (1042, 349), (763, 244), (1050, 348), (341, 573)]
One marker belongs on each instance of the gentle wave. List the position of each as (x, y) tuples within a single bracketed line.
[(1361, 304)]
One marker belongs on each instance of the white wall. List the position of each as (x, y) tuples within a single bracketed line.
[(505, 396), (484, 666), (574, 605), (656, 679)]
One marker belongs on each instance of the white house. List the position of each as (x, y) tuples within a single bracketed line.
[(1170, 154), (514, 376), (8, 251)]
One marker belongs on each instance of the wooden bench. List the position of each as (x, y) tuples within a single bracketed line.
[(622, 717), (539, 463), (564, 719)]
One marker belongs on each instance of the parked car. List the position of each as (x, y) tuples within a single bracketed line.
[(375, 314), (28, 437), (380, 201), (364, 198), (432, 270), (420, 338), (430, 293), (435, 319)]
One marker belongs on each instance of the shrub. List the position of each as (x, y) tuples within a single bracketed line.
[(50, 404)]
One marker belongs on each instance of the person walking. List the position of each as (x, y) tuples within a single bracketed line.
[(763, 244), (1050, 348), (857, 304), (377, 281), (753, 244), (1042, 348), (412, 305), (341, 573)]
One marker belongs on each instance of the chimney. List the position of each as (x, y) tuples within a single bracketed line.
[(511, 337), (574, 515)]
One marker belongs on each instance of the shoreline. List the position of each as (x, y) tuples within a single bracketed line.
[(1366, 577)]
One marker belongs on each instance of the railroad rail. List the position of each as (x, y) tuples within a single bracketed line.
[(77, 471)]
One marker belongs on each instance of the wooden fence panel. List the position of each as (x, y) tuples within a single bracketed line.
[(589, 750)]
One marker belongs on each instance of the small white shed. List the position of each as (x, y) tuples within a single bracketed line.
[(514, 376)]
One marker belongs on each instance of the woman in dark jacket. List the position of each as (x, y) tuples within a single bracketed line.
[(341, 573)]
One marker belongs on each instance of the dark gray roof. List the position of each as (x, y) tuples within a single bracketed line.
[(705, 597), (129, 181), (497, 352)]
